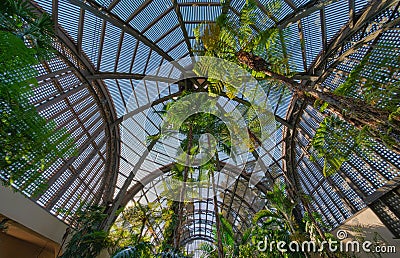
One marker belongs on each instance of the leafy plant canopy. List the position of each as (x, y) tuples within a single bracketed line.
[(361, 112), (30, 144)]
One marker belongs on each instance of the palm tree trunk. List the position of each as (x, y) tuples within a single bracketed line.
[(144, 219), (178, 232), (362, 114), (141, 231), (258, 64), (217, 218), (358, 113)]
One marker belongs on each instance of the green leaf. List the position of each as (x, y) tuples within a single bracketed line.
[(323, 107)]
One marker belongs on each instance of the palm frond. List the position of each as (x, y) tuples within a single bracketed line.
[(262, 214)]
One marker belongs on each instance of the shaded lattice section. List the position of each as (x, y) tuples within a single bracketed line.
[(388, 210)]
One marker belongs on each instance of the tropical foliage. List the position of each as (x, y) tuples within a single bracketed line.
[(228, 38), (276, 223), (336, 141), (361, 111), (30, 144), (194, 127), (87, 240), (372, 82), (272, 225), (130, 226), (19, 18), (228, 238), (3, 225), (134, 229)]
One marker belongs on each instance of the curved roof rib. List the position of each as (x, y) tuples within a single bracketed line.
[(105, 87)]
